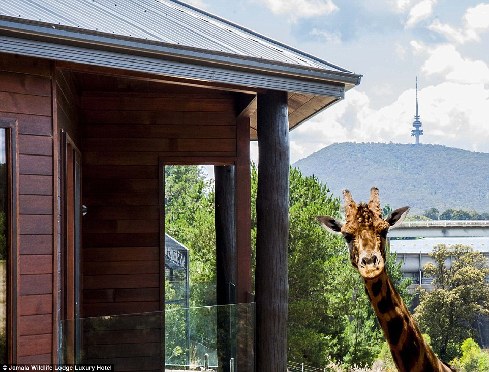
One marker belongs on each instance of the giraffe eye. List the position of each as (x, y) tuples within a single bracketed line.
[(348, 237)]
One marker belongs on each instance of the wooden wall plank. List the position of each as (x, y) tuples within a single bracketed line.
[(35, 145), (121, 281), (159, 131), (35, 324), (35, 359), (137, 117), (160, 103), (35, 125), (35, 165), (25, 104), (107, 199), (35, 204), (36, 264), (36, 304), (126, 186), (121, 172), (122, 254), (122, 212), (35, 224), (25, 84), (117, 308), (121, 267), (122, 226), (120, 240), (31, 66), (36, 244), (30, 345), (36, 284), (160, 144), (35, 185)]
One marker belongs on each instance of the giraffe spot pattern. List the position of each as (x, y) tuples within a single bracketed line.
[(385, 305), (376, 288), (410, 351), (394, 328)]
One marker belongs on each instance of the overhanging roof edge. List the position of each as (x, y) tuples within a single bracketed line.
[(32, 30), (166, 67)]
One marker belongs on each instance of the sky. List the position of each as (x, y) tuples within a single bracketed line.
[(445, 43)]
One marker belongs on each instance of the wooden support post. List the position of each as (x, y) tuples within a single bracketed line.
[(243, 212), (271, 277), (245, 332), (225, 219)]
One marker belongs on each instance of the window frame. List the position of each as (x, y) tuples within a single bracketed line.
[(11, 132)]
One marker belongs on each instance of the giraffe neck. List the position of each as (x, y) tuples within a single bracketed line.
[(408, 348)]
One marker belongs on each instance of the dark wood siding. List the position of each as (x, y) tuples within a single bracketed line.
[(125, 136), (25, 95)]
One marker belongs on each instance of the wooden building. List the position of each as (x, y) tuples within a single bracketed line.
[(95, 98)]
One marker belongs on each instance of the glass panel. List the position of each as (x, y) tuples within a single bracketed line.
[(134, 342), (3, 244)]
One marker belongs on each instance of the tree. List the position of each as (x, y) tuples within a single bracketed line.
[(330, 317), (473, 359), (432, 213), (449, 312), (189, 218)]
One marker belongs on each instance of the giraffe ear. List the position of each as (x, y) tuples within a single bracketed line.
[(330, 224), (397, 216)]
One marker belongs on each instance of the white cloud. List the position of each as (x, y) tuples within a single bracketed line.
[(420, 11), (475, 22), (300, 8), (453, 114), (326, 36), (445, 61)]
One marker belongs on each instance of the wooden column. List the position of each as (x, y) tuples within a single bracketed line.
[(245, 332), (271, 277), (225, 260), (243, 211)]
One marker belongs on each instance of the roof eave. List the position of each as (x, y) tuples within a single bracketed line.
[(62, 35)]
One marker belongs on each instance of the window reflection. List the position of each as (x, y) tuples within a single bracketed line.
[(3, 245)]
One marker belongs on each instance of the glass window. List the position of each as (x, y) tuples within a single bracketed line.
[(3, 244)]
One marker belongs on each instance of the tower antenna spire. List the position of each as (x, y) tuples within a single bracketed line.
[(416, 132)]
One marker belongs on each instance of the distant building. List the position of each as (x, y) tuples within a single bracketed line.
[(414, 254), (416, 132)]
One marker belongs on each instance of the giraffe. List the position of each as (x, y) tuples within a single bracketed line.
[(365, 232)]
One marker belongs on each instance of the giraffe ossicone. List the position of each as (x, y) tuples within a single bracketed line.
[(365, 231)]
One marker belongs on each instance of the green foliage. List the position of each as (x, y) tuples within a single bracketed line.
[(189, 218), (473, 359), (330, 317), (448, 313)]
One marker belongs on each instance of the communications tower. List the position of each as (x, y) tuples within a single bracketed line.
[(416, 132)]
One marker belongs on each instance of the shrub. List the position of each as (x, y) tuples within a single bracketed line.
[(473, 359)]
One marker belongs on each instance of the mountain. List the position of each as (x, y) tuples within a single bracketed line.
[(421, 176)]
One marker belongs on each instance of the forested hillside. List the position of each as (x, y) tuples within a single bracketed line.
[(421, 176)]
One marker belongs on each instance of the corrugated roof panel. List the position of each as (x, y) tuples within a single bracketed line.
[(164, 21)]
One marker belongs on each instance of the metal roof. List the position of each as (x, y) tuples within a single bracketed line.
[(159, 21)]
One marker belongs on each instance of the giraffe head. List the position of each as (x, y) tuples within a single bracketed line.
[(365, 231)]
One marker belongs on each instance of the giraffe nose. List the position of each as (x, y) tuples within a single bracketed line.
[(370, 260)]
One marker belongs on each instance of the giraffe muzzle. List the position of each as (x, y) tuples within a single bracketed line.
[(370, 265)]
